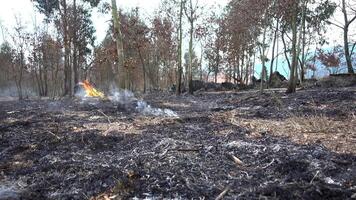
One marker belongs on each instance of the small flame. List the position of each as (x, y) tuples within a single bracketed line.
[(90, 90)]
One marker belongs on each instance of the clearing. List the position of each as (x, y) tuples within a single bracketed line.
[(231, 145)]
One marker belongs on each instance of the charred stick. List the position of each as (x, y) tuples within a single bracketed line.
[(269, 164), (105, 116), (54, 135), (237, 160), (184, 150), (314, 177), (223, 193)]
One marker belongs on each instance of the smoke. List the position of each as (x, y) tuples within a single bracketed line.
[(146, 109), (12, 91), (123, 97), (127, 100)]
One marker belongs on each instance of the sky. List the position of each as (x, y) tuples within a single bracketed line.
[(24, 10)]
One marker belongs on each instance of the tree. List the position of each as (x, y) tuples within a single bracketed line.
[(330, 59), (345, 27), (180, 40), (164, 52), (292, 85), (120, 71), (191, 14), (7, 54), (20, 40), (65, 21)]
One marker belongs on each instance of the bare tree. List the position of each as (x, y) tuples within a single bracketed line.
[(191, 13), (20, 41), (349, 16), (121, 72)]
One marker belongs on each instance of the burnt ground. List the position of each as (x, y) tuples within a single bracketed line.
[(230, 145)]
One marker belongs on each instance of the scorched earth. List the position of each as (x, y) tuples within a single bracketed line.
[(231, 145)]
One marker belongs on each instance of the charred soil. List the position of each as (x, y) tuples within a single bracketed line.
[(231, 145)]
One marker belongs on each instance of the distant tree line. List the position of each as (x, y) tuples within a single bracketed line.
[(147, 53)]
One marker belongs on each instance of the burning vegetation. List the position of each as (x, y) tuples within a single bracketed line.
[(90, 91)]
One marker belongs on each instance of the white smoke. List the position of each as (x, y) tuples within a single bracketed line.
[(126, 98), (123, 97), (146, 109)]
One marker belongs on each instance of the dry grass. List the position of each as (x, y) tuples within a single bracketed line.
[(338, 136)]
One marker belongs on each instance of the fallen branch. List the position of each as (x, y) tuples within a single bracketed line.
[(269, 164), (109, 121), (311, 182), (237, 160), (223, 193), (105, 116), (54, 135), (184, 150)]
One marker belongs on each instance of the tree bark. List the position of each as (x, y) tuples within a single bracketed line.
[(292, 80), (263, 60), (121, 75), (180, 70), (67, 68), (75, 48), (302, 67), (143, 70), (273, 51), (346, 39)]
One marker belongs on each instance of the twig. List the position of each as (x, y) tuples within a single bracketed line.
[(105, 116), (184, 150), (109, 125), (269, 164), (237, 160), (314, 177), (85, 196), (54, 135), (223, 193)]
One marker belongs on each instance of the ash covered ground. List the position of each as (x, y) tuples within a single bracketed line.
[(231, 145)]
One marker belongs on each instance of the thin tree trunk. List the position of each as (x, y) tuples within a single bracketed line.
[(121, 73), (201, 64), (75, 43), (346, 39), (302, 68), (292, 81), (273, 52), (143, 70), (67, 69), (190, 70), (263, 72), (180, 70), (285, 50)]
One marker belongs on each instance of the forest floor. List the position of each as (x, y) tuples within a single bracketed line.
[(231, 145)]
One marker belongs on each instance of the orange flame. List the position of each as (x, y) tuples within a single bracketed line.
[(90, 90)]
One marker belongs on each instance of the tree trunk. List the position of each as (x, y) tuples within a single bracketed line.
[(346, 40), (216, 68), (180, 70), (75, 48), (143, 69), (292, 81), (263, 60), (67, 69), (190, 71), (201, 64), (285, 50), (121, 72), (273, 52), (302, 68)]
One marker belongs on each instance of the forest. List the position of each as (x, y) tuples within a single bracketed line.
[(194, 99)]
